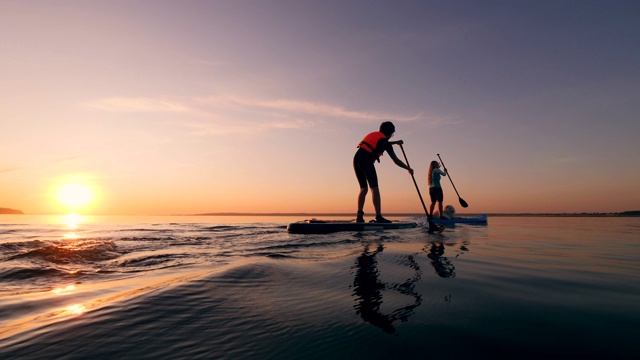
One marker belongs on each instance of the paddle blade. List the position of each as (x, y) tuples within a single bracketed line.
[(463, 203), (433, 227)]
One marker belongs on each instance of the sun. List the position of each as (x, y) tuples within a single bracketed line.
[(75, 197)]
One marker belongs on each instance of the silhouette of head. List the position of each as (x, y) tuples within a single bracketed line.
[(387, 128)]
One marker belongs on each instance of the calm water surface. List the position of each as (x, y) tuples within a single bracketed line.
[(242, 287)]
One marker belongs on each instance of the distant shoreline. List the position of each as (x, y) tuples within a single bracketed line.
[(8, 211), (308, 214), (619, 214)]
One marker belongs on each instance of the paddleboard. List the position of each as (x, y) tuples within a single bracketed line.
[(315, 226), (480, 219)]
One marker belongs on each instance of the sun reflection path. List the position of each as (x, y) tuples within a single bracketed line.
[(72, 221), (76, 309), (64, 290)]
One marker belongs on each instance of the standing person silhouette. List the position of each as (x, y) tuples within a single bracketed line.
[(369, 150), (435, 189)]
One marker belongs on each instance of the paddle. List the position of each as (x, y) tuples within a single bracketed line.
[(462, 202), (432, 226)]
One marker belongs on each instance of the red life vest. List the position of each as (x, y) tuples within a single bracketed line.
[(370, 143)]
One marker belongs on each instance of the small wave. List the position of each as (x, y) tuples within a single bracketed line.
[(156, 261), (312, 244), (274, 255), (77, 252), (29, 273), (9, 231), (13, 247), (147, 238), (145, 230), (191, 239), (222, 228), (168, 240), (260, 233)]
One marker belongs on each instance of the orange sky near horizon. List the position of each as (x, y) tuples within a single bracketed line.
[(165, 107)]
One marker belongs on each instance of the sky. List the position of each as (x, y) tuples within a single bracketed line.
[(186, 107)]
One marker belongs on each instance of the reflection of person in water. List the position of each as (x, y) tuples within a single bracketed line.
[(443, 266), (368, 290)]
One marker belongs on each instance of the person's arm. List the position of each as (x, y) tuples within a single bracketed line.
[(394, 157), (443, 173)]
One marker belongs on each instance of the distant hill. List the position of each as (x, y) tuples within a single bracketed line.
[(630, 213), (10, 211)]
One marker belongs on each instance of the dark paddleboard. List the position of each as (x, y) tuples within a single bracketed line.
[(480, 219), (314, 226)]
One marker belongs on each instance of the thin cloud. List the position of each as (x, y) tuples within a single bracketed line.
[(51, 162), (224, 127), (199, 105), (288, 106), (235, 114), (139, 105), (10, 169)]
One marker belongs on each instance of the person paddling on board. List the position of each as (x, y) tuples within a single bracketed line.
[(435, 189), (369, 150)]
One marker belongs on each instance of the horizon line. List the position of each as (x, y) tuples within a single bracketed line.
[(232, 213)]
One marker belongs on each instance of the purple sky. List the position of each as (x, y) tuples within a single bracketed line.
[(165, 107)]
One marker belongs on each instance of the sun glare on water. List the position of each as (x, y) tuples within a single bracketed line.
[(72, 221)]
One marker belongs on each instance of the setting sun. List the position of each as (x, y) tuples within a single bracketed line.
[(75, 196)]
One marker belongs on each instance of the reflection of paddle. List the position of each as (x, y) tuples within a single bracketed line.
[(432, 226), (462, 202)]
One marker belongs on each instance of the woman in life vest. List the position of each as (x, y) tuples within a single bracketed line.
[(369, 150)]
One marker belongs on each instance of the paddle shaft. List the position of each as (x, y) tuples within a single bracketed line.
[(431, 224), (462, 202)]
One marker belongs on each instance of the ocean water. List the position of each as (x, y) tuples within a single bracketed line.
[(244, 288)]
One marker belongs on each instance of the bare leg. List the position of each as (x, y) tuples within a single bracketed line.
[(440, 208), (361, 197), (433, 205), (375, 192)]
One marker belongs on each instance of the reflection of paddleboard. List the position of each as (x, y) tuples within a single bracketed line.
[(315, 226), (480, 219)]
